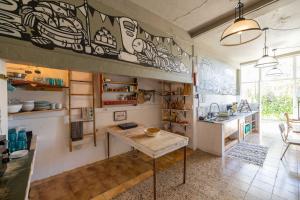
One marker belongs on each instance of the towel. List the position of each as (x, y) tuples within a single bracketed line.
[(76, 131)]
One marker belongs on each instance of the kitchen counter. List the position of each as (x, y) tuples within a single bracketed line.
[(222, 120), (15, 183), (219, 135)]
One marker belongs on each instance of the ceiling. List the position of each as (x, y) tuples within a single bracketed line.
[(189, 14), (192, 14)]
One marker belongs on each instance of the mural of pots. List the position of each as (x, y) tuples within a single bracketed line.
[(52, 24)]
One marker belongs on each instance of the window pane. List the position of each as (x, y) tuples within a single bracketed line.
[(298, 66), (249, 73), (277, 98), (285, 65), (249, 91)]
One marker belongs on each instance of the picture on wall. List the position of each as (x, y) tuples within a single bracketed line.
[(84, 29), (120, 115)]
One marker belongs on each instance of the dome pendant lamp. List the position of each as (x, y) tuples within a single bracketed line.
[(266, 60), (242, 30)]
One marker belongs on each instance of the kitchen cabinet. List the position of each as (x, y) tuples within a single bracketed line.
[(216, 137)]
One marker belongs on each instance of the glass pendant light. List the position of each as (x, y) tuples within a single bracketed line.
[(275, 71), (242, 30), (266, 60)]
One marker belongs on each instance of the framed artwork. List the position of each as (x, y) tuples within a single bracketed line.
[(120, 115)]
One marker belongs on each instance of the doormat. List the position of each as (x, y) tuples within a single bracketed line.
[(250, 153)]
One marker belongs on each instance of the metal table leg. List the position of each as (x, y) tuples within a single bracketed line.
[(107, 145), (154, 178), (184, 164)]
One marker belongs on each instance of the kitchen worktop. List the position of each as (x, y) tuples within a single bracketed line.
[(222, 120), (15, 183)]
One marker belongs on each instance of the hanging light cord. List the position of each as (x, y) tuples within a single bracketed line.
[(190, 11), (285, 29), (292, 47)]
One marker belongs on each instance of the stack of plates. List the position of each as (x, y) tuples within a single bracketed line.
[(42, 105)]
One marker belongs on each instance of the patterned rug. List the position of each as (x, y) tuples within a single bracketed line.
[(250, 153)]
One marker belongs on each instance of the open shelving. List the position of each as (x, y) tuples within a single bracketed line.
[(176, 108), (35, 112), (32, 85), (118, 90)]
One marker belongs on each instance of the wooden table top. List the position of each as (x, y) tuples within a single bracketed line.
[(164, 142)]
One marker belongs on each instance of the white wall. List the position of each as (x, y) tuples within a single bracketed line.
[(3, 100), (53, 156)]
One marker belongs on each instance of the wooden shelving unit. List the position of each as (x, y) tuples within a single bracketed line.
[(31, 85), (35, 112), (176, 92), (93, 121), (120, 102), (115, 87)]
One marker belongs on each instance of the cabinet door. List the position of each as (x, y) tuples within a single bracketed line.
[(241, 130)]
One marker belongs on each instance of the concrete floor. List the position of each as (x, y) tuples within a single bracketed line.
[(107, 179)]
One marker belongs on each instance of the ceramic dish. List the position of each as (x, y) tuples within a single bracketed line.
[(152, 132), (14, 108), (18, 154), (27, 107)]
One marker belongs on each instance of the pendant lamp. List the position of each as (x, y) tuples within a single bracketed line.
[(275, 71), (266, 60), (242, 30)]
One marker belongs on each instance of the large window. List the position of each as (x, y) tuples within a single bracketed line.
[(275, 94)]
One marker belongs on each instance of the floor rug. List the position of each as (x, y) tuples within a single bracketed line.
[(250, 153)]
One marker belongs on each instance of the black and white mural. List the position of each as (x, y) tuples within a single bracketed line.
[(216, 77), (82, 28)]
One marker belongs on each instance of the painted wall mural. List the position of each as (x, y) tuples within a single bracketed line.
[(216, 77), (84, 29)]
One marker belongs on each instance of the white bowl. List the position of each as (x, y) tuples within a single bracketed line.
[(28, 102), (14, 108), (27, 107)]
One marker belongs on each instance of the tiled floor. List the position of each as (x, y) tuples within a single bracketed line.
[(104, 180)]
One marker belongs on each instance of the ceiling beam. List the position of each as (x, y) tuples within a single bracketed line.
[(259, 8)]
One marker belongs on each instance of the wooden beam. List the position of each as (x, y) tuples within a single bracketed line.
[(261, 7)]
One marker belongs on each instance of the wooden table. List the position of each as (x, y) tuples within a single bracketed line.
[(155, 147)]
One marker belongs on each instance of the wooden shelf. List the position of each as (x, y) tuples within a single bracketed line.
[(81, 94), (177, 123), (81, 81), (31, 85), (119, 102), (230, 143), (182, 110), (119, 92), (119, 83), (35, 112)]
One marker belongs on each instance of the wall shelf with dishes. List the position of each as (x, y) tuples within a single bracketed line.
[(177, 107), (32, 85), (35, 112), (24, 84), (36, 78), (118, 90)]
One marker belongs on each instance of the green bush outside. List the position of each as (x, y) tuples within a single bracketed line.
[(274, 106)]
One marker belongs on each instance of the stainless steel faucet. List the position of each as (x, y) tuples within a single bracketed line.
[(210, 115)]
